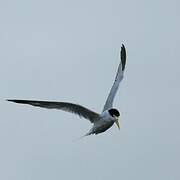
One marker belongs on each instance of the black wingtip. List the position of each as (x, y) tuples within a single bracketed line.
[(14, 100), (123, 56), (11, 100)]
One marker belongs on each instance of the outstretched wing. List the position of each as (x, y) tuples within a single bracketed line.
[(118, 79), (65, 106)]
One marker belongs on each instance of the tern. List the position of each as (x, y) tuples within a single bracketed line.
[(101, 121)]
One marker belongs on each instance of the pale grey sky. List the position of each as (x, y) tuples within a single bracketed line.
[(69, 51)]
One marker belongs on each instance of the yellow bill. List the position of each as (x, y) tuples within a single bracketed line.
[(117, 123)]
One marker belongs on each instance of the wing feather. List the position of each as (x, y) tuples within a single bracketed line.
[(65, 106), (118, 79)]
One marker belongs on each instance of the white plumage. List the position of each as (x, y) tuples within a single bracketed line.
[(101, 122)]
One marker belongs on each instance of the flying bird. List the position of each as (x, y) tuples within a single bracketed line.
[(101, 121)]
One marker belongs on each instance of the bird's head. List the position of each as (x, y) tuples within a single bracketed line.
[(115, 115)]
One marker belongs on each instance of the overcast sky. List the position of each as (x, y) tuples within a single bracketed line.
[(69, 51)]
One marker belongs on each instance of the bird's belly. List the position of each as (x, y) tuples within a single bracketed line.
[(102, 126)]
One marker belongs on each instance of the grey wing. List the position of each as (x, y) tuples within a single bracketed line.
[(65, 106), (118, 79)]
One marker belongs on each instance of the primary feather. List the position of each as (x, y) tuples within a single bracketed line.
[(118, 79), (65, 106)]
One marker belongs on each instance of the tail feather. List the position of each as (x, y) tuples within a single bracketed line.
[(87, 134)]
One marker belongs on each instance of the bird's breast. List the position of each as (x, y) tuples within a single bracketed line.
[(102, 126)]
